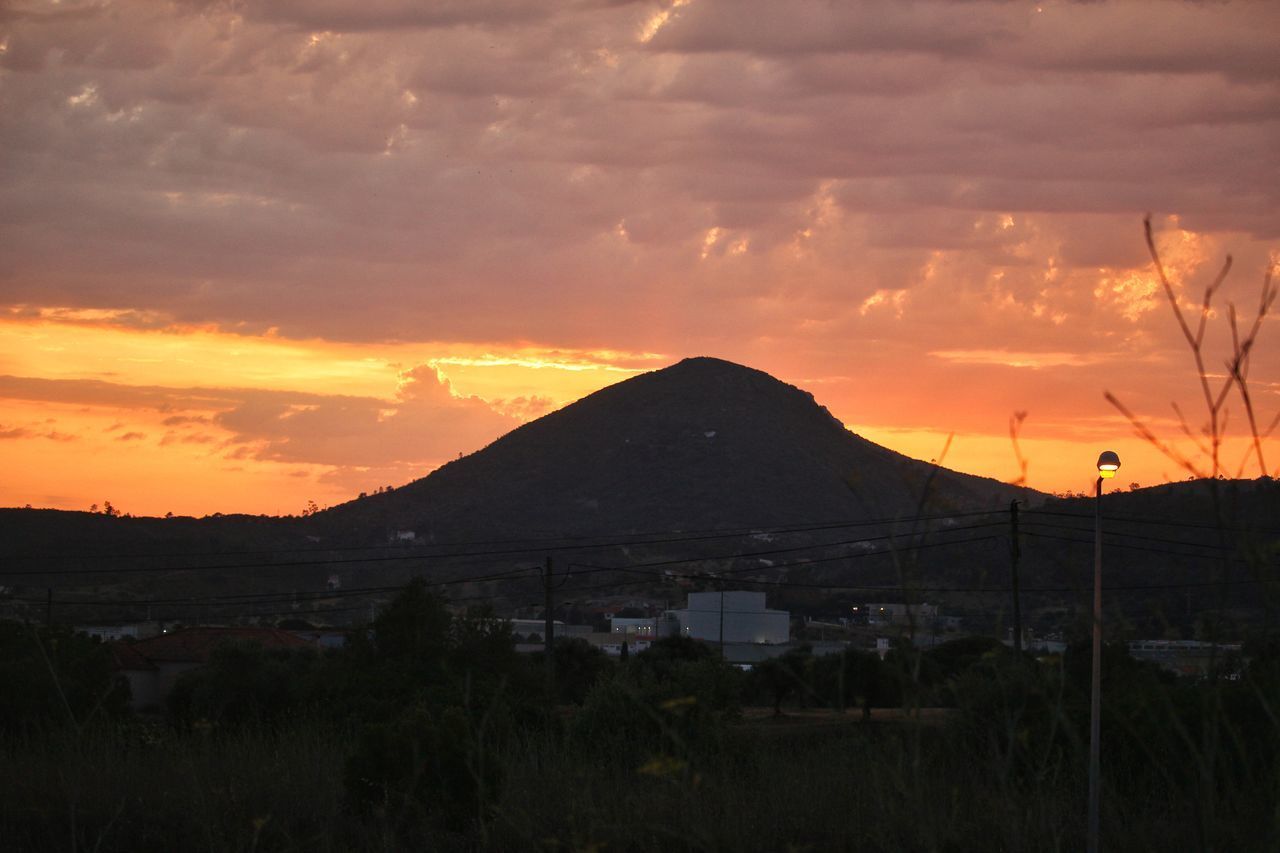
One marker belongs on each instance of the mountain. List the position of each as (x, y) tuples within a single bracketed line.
[(699, 445), (704, 443)]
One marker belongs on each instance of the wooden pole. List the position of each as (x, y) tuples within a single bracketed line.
[(1095, 693), (548, 635), (1015, 553)]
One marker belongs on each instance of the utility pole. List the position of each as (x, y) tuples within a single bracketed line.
[(48, 608), (1095, 687), (1108, 464), (1014, 553), (548, 635), (722, 618)]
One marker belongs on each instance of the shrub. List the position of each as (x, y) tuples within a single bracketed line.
[(425, 767), (54, 678)]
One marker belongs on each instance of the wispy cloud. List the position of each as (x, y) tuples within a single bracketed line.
[(206, 204)]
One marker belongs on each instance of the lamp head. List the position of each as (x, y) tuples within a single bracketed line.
[(1108, 464)]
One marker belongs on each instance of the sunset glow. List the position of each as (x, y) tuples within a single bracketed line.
[(257, 254)]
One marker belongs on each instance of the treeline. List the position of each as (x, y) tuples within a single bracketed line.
[(429, 731)]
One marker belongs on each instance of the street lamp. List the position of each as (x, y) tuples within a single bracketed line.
[(1108, 464)]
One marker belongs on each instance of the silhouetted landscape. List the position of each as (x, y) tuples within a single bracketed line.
[(618, 426), (373, 675)]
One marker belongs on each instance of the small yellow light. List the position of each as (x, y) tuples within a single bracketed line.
[(1106, 473)]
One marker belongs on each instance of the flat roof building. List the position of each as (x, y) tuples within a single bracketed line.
[(733, 616)]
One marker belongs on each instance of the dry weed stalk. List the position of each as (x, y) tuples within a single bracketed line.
[(1215, 396), (1215, 390), (1015, 427)]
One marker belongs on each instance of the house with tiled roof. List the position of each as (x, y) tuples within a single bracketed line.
[(152, 666)]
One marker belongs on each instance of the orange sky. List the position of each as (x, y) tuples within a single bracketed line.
[(257, 254)]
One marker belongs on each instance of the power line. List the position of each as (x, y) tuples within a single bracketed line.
[(273, 597), (956, 589), (983, 590), (1050, 525), (541, 543), (1186, 554), (775, 551), (1163, 522), (500, 552), (287, 594), (281, 596), (638, 569)]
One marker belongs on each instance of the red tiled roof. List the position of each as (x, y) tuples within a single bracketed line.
[(196, 644)]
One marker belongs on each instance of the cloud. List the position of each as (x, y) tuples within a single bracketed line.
[(524, 408), (739, 178), (25, 432), (427, 425), (345, 16)]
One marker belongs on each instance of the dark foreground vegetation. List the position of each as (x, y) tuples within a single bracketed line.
[(429, 732)]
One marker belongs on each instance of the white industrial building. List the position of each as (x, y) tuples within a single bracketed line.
[(650, 628), (734, 616)]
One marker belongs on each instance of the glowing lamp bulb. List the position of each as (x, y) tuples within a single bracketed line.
[(1108, 464)]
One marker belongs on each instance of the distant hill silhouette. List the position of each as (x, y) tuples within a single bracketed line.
[(703, 443)]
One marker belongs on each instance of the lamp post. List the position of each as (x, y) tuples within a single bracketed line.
[(1108, 464)]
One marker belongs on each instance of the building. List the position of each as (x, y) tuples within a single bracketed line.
[(901, 614), (1189, 657), (736, 616), (152, 666), (528, 627), (113, 633), (649, 628), (611, 644)]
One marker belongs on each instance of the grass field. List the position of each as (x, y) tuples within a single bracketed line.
[(812, 780)]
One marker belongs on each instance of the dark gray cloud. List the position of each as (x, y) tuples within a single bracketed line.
[(520, 170)]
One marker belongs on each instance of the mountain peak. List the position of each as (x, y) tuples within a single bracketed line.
[(705, 366), (702, 443), (709, 364)]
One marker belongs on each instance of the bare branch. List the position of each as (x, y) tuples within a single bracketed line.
[(1164, 280), (1145, 433), (1015, 426), (1208, 297), (1182, 423)]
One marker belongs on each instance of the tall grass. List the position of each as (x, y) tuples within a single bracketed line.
[(143, 788), (846, 785)]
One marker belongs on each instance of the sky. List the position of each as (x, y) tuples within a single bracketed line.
[(256, 254)]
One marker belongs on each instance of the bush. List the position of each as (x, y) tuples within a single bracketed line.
[(53, 678), (243, 683), (659, 705), (425, 767)]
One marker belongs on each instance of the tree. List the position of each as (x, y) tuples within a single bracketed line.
[(244, 683), (414, 626), (579, 667), (783, 677), (54, 678)]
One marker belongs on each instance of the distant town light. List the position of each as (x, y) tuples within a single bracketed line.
[(1108, 464)]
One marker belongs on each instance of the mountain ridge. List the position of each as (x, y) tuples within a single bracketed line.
[(702, 442)]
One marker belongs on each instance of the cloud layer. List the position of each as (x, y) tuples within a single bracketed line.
[(919, 203)]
